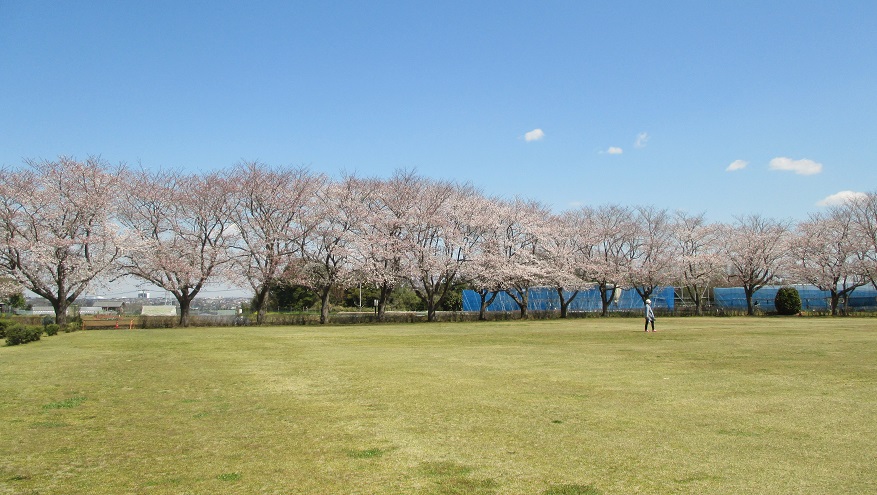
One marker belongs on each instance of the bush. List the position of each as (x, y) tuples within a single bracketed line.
[(52, 329), (17, 334), (163, 321), (72, 326), (788, 301)]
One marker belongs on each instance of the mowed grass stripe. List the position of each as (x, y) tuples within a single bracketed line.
[(705, 405)]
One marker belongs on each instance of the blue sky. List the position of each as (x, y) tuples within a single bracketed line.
[(631, 102)]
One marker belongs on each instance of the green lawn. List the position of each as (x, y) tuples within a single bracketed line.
[(586, 406)]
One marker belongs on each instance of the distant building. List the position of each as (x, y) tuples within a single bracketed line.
[(142, 294), (113, 306), (159, 311)]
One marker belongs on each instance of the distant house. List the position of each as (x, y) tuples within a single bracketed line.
[(114, 306)]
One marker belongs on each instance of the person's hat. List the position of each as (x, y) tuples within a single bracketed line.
[(648, 301)]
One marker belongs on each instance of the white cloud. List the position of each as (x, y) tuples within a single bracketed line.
[(641, 139), (534, 135), (615, 151), (737, 165), (841, 198), (800, 167)]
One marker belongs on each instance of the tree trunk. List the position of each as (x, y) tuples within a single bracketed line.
[(564, 304), (835, 300), (485, 302), (521, 298), (386, 290), (185, 303), (324, 304), (750, 310), (441, 287), (60, 306), (184, 297), (260, 298), (444, 286), (605, 298), (525, 297), (430, 309), (427, 297), (695, 292)]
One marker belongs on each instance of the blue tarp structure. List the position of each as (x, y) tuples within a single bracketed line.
[(546, 299), (811, 298)]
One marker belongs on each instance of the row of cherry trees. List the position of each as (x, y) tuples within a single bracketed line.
[(66, 225)]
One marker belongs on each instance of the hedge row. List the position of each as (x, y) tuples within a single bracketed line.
[(17, 332)]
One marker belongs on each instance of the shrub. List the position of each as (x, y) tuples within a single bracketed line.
[(17, 334), (72, 326), (788, 301), (3, 325), (162, 321), (52, 329)]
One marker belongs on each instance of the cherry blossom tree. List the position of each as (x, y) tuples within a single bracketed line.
[(825, 253), (380, 240), (483, 269), (330, 243), (755, 248), (182, 229), (439, 234), (482, 275), (274, 210), (699, 260), (523, 227), (57, 235), (608, 236), (652, 252), (561, 252)]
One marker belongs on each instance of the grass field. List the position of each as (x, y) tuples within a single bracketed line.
[(586, 406)]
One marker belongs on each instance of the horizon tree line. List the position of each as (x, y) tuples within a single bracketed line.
[(66, 225)]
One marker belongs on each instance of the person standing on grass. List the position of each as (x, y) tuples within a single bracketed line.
[(650, 315)]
